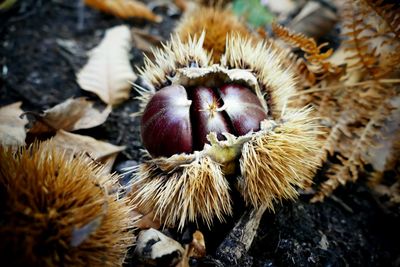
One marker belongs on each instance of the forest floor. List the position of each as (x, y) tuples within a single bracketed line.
[(44, 43)]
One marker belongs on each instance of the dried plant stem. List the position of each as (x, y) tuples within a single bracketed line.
[(313, 89), (239, 240)]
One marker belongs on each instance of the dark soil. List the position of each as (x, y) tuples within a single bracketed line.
[(43, 44)]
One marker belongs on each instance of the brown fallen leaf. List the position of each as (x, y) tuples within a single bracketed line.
[(108, 72), (124, 9), (314, 20), (12, 126), (99, 151), (145, 42), (70, 115)]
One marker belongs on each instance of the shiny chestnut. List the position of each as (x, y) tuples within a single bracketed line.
[(178, 120)]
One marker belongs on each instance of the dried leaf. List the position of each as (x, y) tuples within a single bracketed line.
[(152, 246), (99, 151), (354, 92), (108, 72), (71, 115), (316, 60), (314, 20), (12, 126), (282, 7), (124, 9), (146, 42)]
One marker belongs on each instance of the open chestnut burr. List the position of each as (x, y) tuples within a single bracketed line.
[(204, 121), (178, 120)]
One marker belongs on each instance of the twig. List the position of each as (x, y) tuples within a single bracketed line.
[(344, 205), (239, 240), (81, 15)]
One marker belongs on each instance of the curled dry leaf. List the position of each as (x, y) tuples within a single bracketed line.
[(124, 9), (145, 41), (99, 151), (154, 248), (12, 126), (70, 115), (108, 72), (314, 20)]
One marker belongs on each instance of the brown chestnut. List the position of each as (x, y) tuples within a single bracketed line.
[(243, 108), (166, 127), (177, 120)]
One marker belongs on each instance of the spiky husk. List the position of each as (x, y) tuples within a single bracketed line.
[(275, 164), (215, 39), (275, 161), (173, 55), (193, 192), (277, 83), (46, 196)]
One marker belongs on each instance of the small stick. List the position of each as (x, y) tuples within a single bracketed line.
[(239, 240), (81, 15)]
